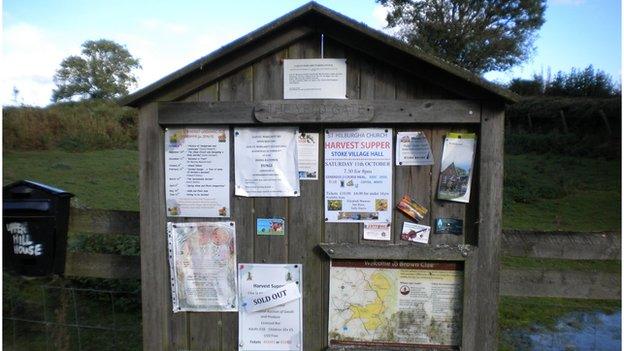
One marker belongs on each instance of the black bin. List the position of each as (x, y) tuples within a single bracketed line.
[(34, 228)]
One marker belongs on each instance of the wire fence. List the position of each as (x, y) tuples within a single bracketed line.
[(38, 316)]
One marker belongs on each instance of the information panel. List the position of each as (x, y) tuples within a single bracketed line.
[(197, 172), (315, 79), (271, 308), (395, 303), (358, 175)]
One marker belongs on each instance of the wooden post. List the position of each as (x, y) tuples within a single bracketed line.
[(603, 115), (563, 122)]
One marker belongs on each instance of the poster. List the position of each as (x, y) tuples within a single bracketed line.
[(377, 231), (395, 304), (315, 79), (456, 167), (358, 175), (266, 162), (307, 155), (197, 172), (413, 149), (202, 259), (271, 309), (417, 233)]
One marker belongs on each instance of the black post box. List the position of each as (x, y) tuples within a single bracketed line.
[(35, 228)]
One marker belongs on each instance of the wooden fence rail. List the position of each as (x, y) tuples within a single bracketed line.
[(513, 282)]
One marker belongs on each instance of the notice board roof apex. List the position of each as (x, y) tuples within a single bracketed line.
[(304, 21)]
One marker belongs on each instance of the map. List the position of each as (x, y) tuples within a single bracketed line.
[(395, 303)]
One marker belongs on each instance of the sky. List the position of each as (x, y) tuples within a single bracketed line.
[(167, 35)]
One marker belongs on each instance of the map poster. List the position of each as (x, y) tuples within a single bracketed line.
[(358, 175), (278, 327), (308, 155), (202, 259), (413, 149), (456, 167), (266, 162), (315, 79), (197, 172), (395, 304)]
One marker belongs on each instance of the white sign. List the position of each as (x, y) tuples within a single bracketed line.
[(197, 172), (307, 155), (279, 327), (315, 79), (272, 298), (417, 233), (202, 258), (377, 231), (266, 162), (358, 175), (413, 149)]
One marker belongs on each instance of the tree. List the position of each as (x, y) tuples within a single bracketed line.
[(104, 70), (479, 35), (585, 82)]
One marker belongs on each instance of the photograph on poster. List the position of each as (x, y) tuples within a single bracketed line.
[(411, 208), (202, 260), (197, 172), (270, 226), (395, 304), (358, 175), (417, 233), (308, 155), (456, 167), (266, 162), (270, 318), (413, 149)]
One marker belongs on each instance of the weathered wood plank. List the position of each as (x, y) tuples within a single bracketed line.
[(103, 221), (562, 245), (162, 330), (556, 283), (97, 265), (314, 111), (397, 252), (185, 113)]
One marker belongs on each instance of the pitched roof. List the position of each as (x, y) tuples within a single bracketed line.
[(324, 17)]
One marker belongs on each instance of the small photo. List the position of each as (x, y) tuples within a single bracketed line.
[(358, 216), (411, 208), (381, 204), (449, 226), (270, 226), (334, 205)]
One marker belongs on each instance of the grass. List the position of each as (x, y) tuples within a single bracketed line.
[(609, 266), (548, 192)]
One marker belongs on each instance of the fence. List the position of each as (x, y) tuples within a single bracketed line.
[(50, 315)]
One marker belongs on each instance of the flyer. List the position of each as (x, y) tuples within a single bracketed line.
[(307, 155), (270, 226), (377, 231), (413, 149), (456, 167), (395, 304), (270, 317), (315, 79), (358, 175), (411, 208), (266, 162), (197, 172), (202, 259), (417, 233)]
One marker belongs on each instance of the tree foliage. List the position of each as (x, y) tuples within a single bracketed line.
[(585, 82), (104, 70), (479, 35)]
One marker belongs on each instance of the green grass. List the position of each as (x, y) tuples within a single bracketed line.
[(548, 192), (609, 266), (106, 179)]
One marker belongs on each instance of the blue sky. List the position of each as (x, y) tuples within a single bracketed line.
[(166, 35)]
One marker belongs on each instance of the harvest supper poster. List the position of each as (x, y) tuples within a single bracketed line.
[(202, 259), (358, 175)]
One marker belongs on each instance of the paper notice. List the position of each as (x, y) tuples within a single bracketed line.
[(377, 231), (315, 79), (417, 233), (308, 155), (413, 149)]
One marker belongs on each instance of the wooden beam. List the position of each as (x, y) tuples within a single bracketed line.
[(564, 284), (562, 245), (103, 221), (396, 252), (96, 265), (320, 111)]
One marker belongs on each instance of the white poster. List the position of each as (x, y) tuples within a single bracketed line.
[(394, 304), (315, 79), (413, 149), (197, 172), (202, 258), (307, 155), (270, 317), (377, 231), (266, 162), (358, 175), (456, 168)]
